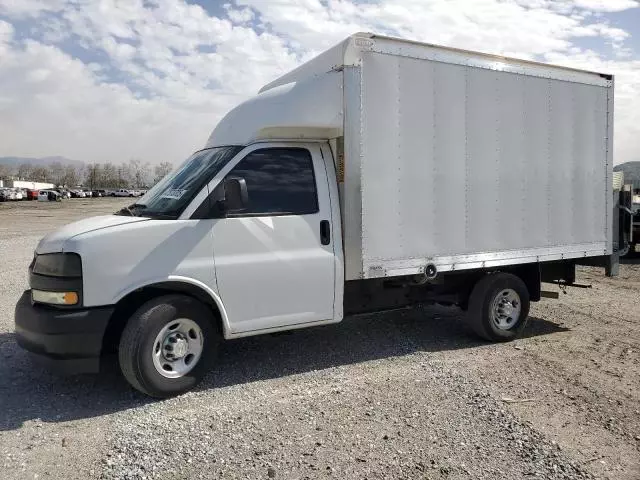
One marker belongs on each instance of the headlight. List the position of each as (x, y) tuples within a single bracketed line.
[(55, 298), (66, 265)]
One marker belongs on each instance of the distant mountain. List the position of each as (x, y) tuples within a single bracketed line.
[(631, 171), (38, 162)]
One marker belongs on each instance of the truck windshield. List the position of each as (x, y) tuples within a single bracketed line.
[(171, 195)]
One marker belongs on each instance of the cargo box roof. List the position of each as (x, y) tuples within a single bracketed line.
[(307, 103)]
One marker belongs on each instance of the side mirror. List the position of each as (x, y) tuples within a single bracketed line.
[(236, 195)]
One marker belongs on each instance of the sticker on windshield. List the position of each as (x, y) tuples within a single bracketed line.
[(174, 193)]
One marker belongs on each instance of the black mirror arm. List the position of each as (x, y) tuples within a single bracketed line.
[(236, 194), (220, 208)]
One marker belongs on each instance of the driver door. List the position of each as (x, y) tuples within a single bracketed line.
[(275, 264)]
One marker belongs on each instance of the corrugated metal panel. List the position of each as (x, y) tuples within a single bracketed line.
[(459, 160), (351, 200)]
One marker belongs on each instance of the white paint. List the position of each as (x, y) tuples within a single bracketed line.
[(460, 159), (27, 184), (448, 160), (273, 271), (309, 108), (55, 241)]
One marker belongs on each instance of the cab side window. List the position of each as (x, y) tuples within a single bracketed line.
[(280, 181)]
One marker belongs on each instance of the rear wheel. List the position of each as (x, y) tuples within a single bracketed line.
[(624, 252), (499, 307), (168, 345), (628, 251)]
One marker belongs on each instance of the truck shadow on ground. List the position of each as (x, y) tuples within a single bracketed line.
[(29, 393), (632, 260)]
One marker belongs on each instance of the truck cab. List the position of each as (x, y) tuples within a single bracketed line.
[(239, 240)]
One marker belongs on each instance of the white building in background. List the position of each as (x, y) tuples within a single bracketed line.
[(26, 184)]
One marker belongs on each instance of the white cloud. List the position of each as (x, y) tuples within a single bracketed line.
[(6, 31), (29, 8), (606, 5), (6, 34), (592, 6), (55, 105), (161, 73), (244, 15)]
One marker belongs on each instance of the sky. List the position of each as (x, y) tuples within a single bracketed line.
[(111, 80)]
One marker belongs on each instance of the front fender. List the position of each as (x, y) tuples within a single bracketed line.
[(201, 286)]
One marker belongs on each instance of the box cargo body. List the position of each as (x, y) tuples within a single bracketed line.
[(467, 166), (456, 158)]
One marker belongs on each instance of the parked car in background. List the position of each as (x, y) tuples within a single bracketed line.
[(63, 192), (3, 195), (78, 194), (17, 194), (49, 196), (101, 192), (88, 193), (122, 192), (10, 194), (32, 194)]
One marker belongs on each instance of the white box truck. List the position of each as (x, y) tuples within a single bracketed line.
[(382, 174)]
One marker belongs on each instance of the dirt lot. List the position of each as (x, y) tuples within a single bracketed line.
[(403, 395)]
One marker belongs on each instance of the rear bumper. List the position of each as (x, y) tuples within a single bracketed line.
[(68, 341)]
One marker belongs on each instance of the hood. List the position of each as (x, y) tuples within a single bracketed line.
[(54, 242)]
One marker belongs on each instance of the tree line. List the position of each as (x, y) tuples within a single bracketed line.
[(132, 174)]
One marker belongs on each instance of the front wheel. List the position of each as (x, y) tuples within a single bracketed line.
[(168, 345), (499, 307)]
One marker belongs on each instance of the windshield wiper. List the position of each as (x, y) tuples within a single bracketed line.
[(160, 215), (126, 210), (129, 210)]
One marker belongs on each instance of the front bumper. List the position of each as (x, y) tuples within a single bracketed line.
[(65, 340)]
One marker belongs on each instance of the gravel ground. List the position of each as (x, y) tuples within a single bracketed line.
[(402, 395)]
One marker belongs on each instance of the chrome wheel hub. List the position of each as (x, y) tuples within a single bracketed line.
[(505, 309), (177, 348)]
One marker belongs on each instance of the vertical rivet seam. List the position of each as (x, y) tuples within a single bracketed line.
[(466, 158), (548, 172), (399, 157)]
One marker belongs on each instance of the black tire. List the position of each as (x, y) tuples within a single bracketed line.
[(625, 252), (629, 251), (136, 345), (481, 303)]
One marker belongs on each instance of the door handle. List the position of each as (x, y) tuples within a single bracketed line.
[(325, 232)]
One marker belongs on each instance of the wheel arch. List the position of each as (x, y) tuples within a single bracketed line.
[(131, 300), (529, 273)]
